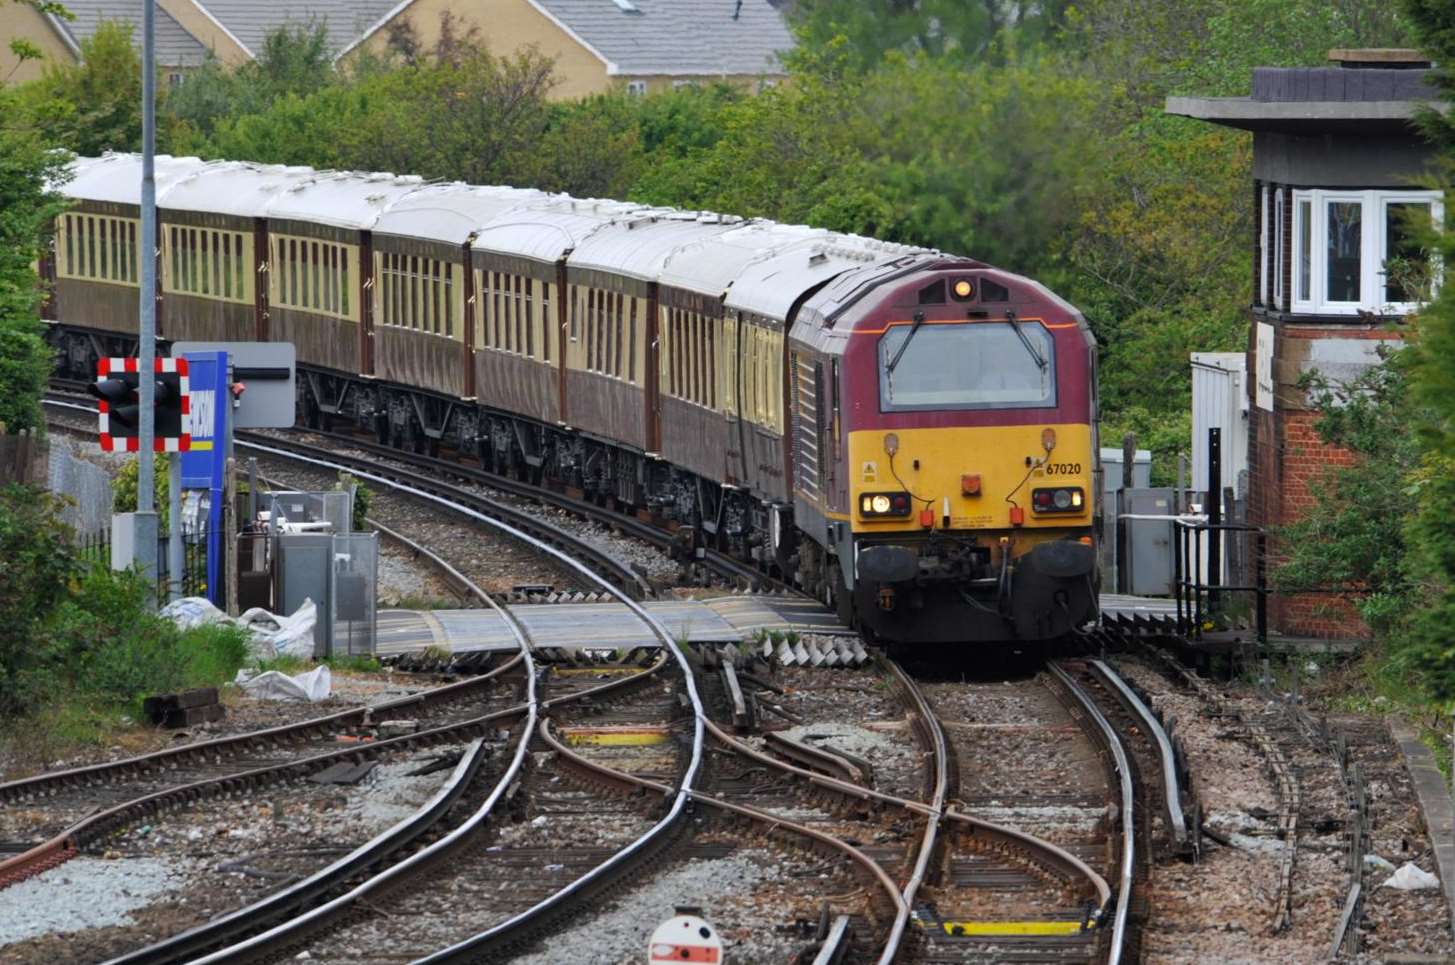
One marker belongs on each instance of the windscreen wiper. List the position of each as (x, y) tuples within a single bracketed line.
[(919, 319), (1041, 362)]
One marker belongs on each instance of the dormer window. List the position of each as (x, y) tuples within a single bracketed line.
[(1345, 241)]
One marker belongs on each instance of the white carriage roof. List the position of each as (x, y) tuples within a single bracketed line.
[(236, 188), (351, 201), (640, 244), (711, 265), (117, 177), (771, 286), (547, 229), (451, 213), (762, 267)]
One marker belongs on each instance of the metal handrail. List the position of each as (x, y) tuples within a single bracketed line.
[(1190, 589)]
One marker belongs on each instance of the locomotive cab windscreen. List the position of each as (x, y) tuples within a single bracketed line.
[(966, 365)]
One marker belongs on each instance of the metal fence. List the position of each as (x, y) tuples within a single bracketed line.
[(95, 547)]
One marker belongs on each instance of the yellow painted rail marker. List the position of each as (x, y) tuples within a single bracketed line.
[(614, 736), (1010, 927)]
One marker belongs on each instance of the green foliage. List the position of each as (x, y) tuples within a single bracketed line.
[(354, 664), (362, 495), (105, 645), (27, 209), (1356, 536), (91, 106), (123, 490), (36, 564), (961, 31)]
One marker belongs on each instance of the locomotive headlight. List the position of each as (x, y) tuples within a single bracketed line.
[(1061, 499), (884, 504), (963, 289)]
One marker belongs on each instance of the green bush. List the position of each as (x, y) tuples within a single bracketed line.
[(361, 500), (123, 490), (36, 566)]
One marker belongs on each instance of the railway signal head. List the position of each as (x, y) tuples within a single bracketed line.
[(120, 403), (118, 387)]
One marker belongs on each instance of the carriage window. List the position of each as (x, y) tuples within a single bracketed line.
[(966, 366), (97, 248)]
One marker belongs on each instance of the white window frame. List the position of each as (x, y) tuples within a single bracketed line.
[(1263, 253), (1373, 248), (1278, 249), (636, 88)]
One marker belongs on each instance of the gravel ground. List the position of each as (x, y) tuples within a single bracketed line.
[(749, 896), (854, 711), (493, 561), (1221, 909), (1395, 922), (155, 880), (657, 567), (85, 892)]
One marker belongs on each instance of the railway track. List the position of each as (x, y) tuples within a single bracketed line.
[(941, 884), (299, 905), (454, 480)]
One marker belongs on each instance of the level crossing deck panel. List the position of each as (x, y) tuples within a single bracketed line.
[(612, 625), (605, 625)]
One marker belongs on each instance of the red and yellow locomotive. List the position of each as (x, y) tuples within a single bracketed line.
[(906, 435)]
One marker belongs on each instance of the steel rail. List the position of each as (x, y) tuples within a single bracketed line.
[(322, 914), (628, 782), (674, 816), (542, 533), (92, 774), (1113, 745), (1054, 858), (638, 528), (297, 897), (1171, 797), (676, 813), (289, 900), (68, 843), (924, 721)]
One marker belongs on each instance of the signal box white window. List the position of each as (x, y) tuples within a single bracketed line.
[(1343, 242)]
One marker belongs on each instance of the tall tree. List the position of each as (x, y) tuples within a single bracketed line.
[(28, 206), (94, 105)]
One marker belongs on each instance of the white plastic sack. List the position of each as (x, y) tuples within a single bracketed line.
[(193, 611), (273, 635), (312, 686), (1411, 877)]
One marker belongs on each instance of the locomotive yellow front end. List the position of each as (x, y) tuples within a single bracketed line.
[(972, 475)]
